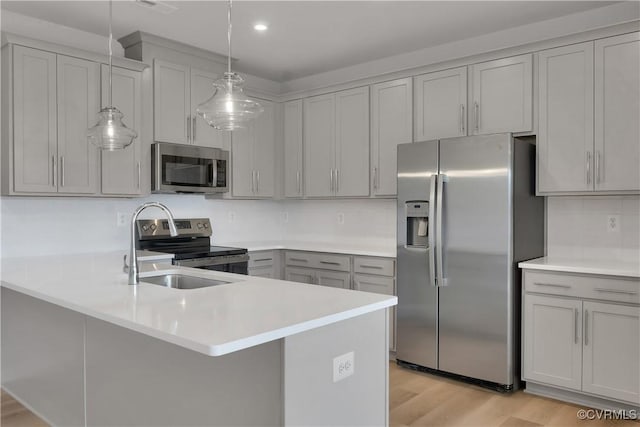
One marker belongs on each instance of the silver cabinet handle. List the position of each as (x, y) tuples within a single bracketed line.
[(575, 326), (598, 167), (188, 128), (329, 262), (257, 181), (616, 291), (298, 260), (62, 171), (253, 181), (553, 285), (331, 180), (586, 327), (263, 259), (193, 128), (298, 182), (376, 267), (476, 108), (375, 178), (53, 171), (588, 167), (138, 166), (462, 118), (337, 180)]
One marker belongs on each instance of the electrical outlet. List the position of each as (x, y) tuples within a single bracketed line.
[(340, 218), (343, 366), (613, 223), (121, 219), (232, 216), (285, 217)]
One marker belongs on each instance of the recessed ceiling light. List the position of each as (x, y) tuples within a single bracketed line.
[(260, 27)]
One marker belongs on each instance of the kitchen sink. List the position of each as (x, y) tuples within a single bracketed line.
[(182, 281)]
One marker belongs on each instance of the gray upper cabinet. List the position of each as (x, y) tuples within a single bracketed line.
[(617, 108), (171, 105), (391, 124), (565, 119), (293, 183), (34, 122), (122, 169), (336, 144), (177, 91), (440, 104), (55, 101), (253, 152), (589, 104), (501, 96)]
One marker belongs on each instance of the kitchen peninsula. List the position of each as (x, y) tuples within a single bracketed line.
[(81, 347)]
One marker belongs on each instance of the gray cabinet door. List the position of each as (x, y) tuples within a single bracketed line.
[(122, 169), (391, 119), (617, 101), (243, 174), (502, 98), (441, 102), (171, 107), (379, 285), (78, 102), (201, 133), (352, 142), (565, 119), (34, 121), (302, 275), (335, 279), (264, 151), (319, 145), (293, 185)]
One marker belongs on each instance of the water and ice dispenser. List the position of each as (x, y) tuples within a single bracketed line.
[(417, 216)]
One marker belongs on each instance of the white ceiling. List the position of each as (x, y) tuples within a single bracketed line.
[(306, 37)]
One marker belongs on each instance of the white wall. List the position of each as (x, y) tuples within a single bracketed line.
[(577, 227)]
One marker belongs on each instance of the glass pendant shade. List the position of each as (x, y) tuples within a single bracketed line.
[(110, 133), (229, 108)]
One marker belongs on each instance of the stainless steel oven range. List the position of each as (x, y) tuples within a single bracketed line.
[(192, 247)]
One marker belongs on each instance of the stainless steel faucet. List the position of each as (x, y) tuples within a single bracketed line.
[(133, 259)]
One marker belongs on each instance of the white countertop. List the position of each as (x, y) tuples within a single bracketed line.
[(379, 248), (215, 320), (608, 268)]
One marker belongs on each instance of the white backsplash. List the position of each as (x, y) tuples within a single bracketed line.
[(45, 226), (578, 227)]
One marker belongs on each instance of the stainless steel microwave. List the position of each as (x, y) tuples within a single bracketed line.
[(179, 168)]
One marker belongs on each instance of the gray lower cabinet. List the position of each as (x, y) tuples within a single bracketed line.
[(302, 275), (318, 268), (265, 264), (335, 279), (581, 336)]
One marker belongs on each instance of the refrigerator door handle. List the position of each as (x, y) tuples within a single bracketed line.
[(441, 279), (431, 230)]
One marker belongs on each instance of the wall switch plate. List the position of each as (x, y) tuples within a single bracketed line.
[(121, 219), (613, 223), (340, 218), (343, 366)]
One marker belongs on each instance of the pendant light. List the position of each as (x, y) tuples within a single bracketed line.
[(110, 133), (229, 108)]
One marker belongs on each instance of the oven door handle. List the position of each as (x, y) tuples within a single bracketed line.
[(210, 261)]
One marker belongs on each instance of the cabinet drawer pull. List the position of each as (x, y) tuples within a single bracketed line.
[(53, 170), (588, 167), (62, 171), (263, 259), (462, 118), (586, 327), (375, 178), (298, 182), (188, 128), (193, 129), (553, 285), (575, 326), (616, 291), (477, 115), (257, 181), (329, 263), (331, 180), (298, 259), (377, 267), (337, 180)]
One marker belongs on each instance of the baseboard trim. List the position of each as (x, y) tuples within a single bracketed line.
[(577, 398)]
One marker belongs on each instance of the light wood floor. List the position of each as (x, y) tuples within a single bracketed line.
[(418, 399)]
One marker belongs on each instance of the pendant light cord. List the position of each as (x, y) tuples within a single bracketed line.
[(110, 54), (229, 37)]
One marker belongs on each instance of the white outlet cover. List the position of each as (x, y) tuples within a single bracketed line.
[(343, 366), (341, 218), (121, 219), (613, 223), (232, 216)]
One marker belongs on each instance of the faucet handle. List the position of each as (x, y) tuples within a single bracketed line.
[(125, 267)]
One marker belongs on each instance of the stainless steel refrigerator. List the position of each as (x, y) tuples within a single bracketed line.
[(467, 214)]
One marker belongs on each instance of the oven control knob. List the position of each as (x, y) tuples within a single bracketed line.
[(199, 225), (206, 225), (153, 227), (145, 228)]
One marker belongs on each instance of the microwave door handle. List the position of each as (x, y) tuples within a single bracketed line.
[(431, 230)]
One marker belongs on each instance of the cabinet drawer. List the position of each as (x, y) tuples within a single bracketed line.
[(331, 262), (375, 284), (583, 286), (377, 266), (266, 272), (261, 259), (300, 275), (302, 259)]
